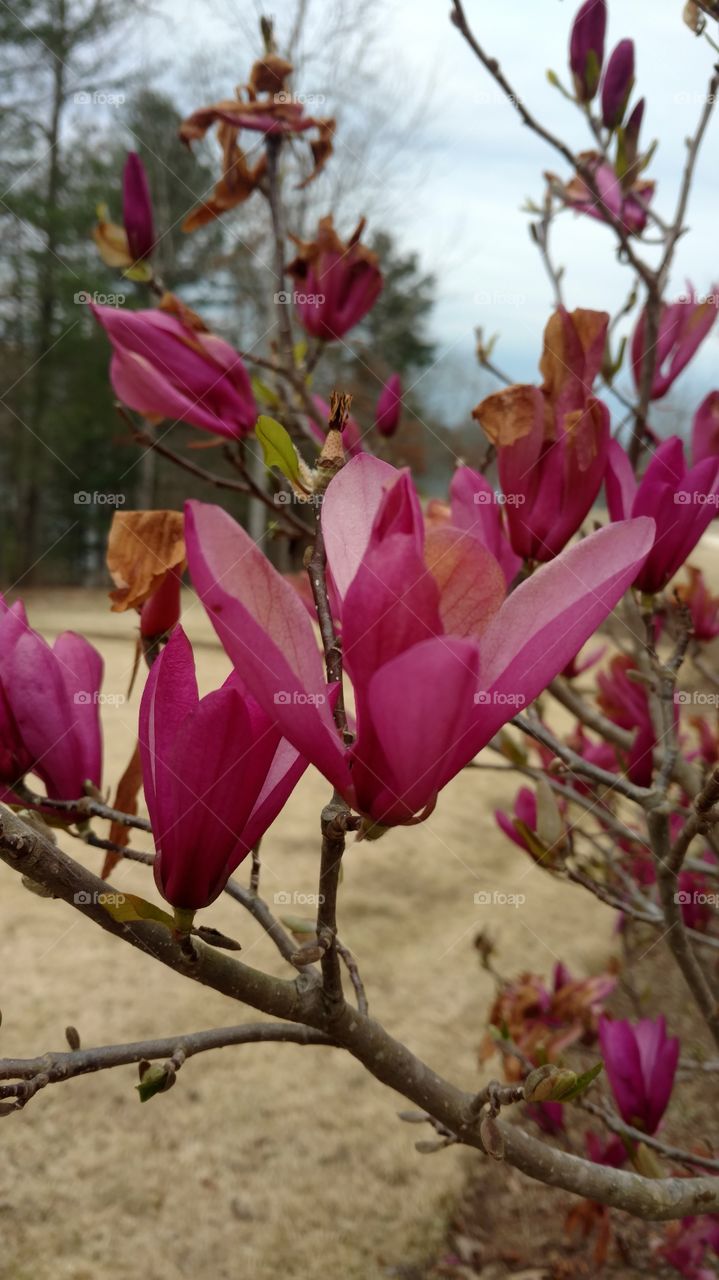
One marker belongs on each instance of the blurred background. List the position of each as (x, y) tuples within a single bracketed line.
[(426, 147)]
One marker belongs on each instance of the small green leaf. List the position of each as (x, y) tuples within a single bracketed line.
[(139, 271), (264, 393), (278, 449), (153, 1081), (298, 925), (580, 1084), (647, 1162), (126, 907)]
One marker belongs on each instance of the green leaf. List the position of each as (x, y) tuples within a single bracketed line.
[(298, 925), (580, 1085), (154, 1081), (264, 393), (139, 271), (125, 907), (278, 449)]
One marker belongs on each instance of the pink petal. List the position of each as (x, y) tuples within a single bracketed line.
[(548, 618), (421, 739), (351, 503), (265, 629), (471, 583)]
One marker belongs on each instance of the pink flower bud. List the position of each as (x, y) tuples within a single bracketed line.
[(137, 208), (389, 406), (617, 85), (586, 48)]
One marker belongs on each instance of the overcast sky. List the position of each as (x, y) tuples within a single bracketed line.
[(464, 218)]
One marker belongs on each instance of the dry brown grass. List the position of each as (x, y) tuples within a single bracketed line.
[(263, 1161)]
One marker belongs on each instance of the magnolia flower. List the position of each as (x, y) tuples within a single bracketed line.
[(626, 703), (389, 406), (641, 1062), (161, 611), (683, 326), (216, 773), (586, 48), (617, 84), (578, 665), (626, 201), (137, 208), (163, 367), (681, 501), (703, 606), (438, 658), (124, 247), (610, 1151), (525, 812), (265, 107), (705, 429), (49, 708), (552, 440), (689, 1244), (475, 509), (337, 283)]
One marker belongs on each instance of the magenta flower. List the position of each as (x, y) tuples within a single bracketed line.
[(625, 702), (705, 429), (161, 367), (617, 84), (49, 708), (586, 48), (525, 812), (216, 773), (137, 208), (437, 661), (552, 440), (683, 326), (15, 759), (578, 665), (703, 606), (609, 1151), (627, 204), (641, 1063), (548, 1115), (161, 611), (389, 406), (682, 503), (336, 283), (477, 509), (688, 1244)]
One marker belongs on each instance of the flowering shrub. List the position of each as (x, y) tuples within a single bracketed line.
[(425, 640)]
